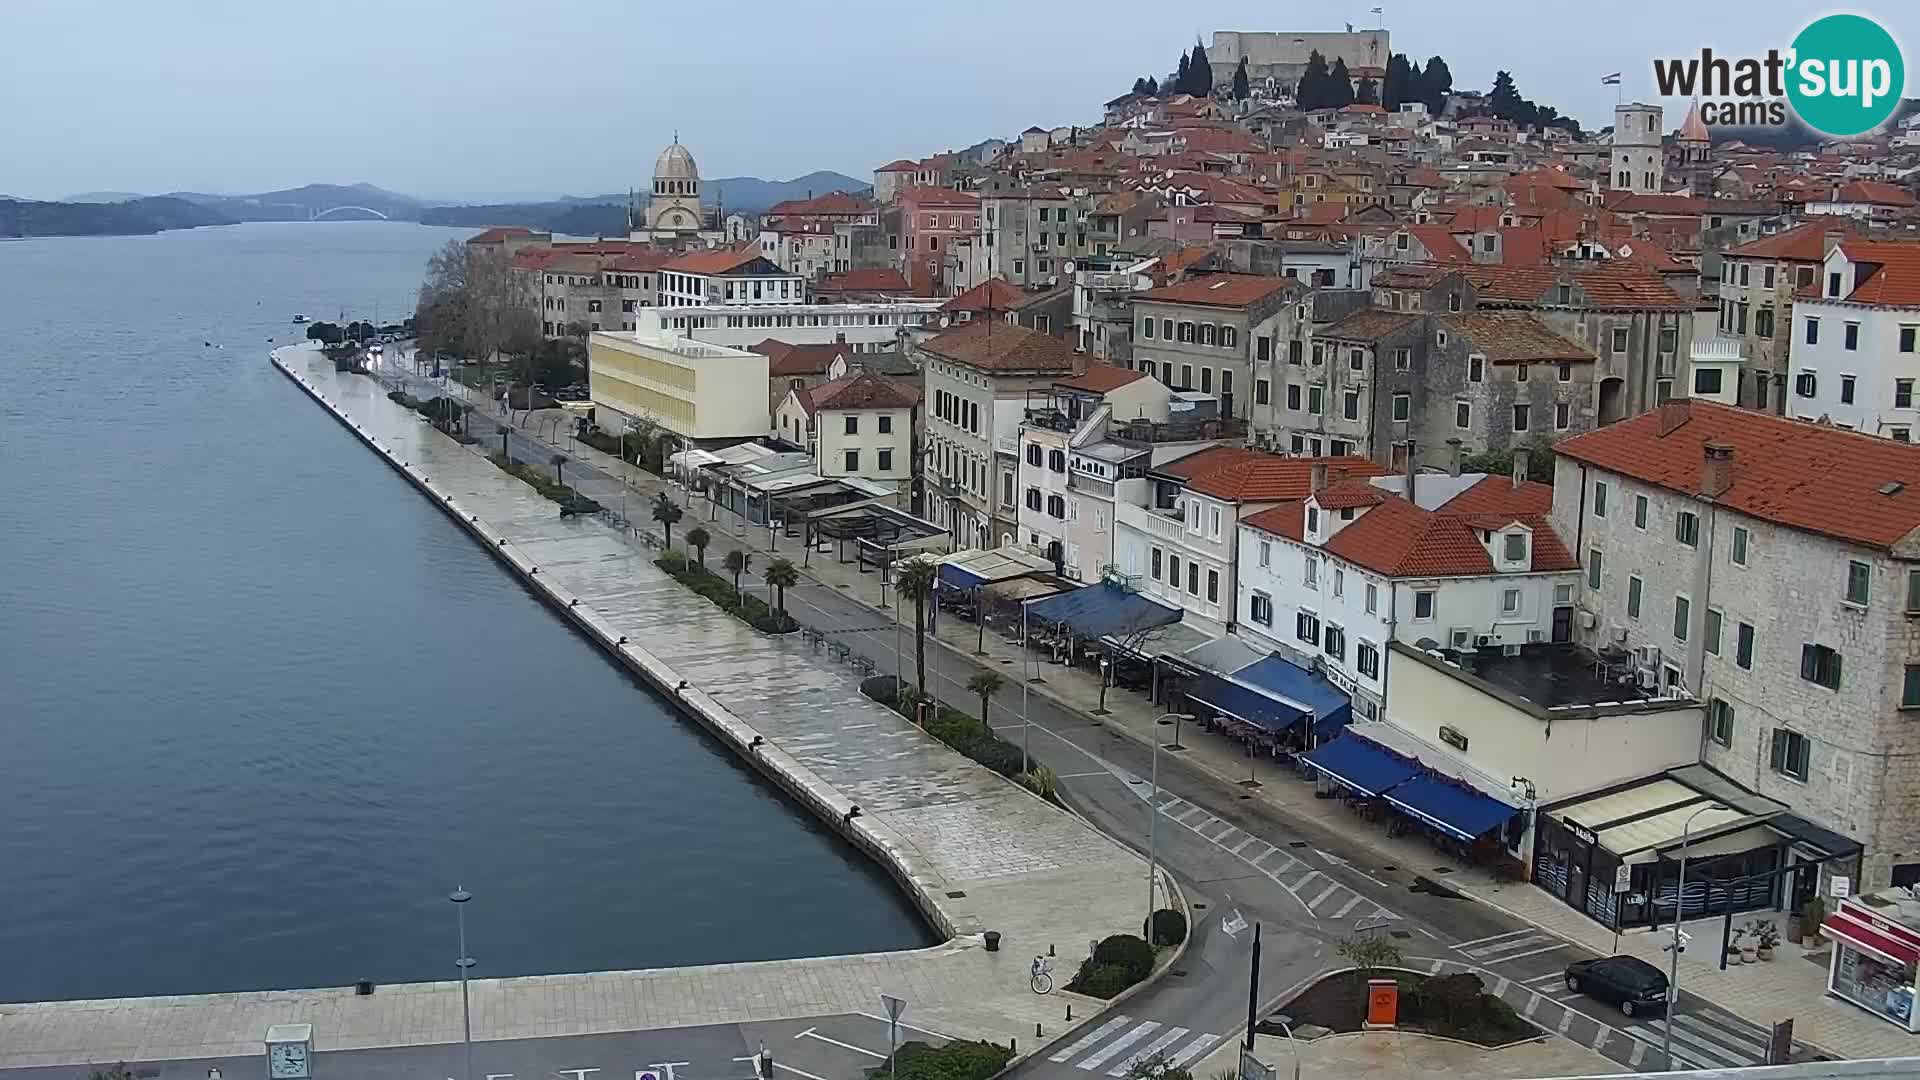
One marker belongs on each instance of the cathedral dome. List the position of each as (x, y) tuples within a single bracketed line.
[(675, 163)]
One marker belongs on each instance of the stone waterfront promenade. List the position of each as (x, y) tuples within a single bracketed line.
[(974, 851)]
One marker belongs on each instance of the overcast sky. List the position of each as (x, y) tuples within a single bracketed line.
[(464, 98)]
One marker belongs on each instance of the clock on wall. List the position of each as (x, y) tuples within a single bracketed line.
[(290, 1052)]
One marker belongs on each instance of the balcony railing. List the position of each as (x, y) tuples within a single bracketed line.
[(1146, 432), (1091, 485)]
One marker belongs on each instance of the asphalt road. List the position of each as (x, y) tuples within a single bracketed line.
[(1309, 883), (840, 1047)]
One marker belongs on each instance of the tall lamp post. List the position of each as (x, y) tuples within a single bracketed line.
[(1673, 958), (460, 897), (1153, 819)]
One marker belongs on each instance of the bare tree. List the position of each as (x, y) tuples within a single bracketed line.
[(474, 303)]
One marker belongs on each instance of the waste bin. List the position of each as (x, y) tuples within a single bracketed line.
[(993, 940)]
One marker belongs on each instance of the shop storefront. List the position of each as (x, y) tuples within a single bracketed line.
[(1875, 950), (1370, 762), (1615, 855)]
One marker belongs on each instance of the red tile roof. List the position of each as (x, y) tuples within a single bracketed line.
[(1348, 493), (1102, 378), (902, 165), (866, 390), (1270, 477), (499, 234), (939, 196), (832, 204), (1399, 539), (1892, 273), (1805, 242), (992, 345), (788, 361), (993, 294), (1213, 457), (1804, 476), (1500, 495), (1370, 324), (1512, 337), (883, 279), (1607, 288), (1875, 192), (1220, 290), (718, 261)]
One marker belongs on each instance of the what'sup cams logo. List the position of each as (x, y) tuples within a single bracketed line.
[(1843, 75)]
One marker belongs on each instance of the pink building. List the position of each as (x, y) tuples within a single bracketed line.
[(931, 219)]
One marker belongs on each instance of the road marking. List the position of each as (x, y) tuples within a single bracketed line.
[(1086, 1041), (1599, 1038), (1200, 1045), (1639, 1052), (909, 1027), (797, 1072), (1549, 977), (1566, 1019), (1348, 906), (1533, 1006), (1489, 952), (1242, 845), (812, 1034), (1267, 854), (1118, 1046), (1302, 883), (1524, 955), (1681, 1052), (1146, 1052), (1322, 898), (1727, 1034), (1077, 775), (1464, 945), (1500, 986), (1222, 835)]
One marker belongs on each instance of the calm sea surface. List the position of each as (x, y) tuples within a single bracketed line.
[(261, 707)]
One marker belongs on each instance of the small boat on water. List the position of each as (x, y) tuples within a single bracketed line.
[(299, 318)]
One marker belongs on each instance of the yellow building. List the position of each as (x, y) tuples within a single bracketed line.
[(706, 394)]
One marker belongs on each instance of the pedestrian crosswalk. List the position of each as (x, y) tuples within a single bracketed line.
[(1512, 945), (1317, 892), (1122, 1042), (1704, 1041)]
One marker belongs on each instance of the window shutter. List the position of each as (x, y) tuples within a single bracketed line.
[(1806, 662), (1833, 671), (1779, 752)]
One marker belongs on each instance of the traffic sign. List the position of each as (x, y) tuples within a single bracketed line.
[(1623, 878)]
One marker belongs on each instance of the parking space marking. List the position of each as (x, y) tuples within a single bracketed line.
[(812, 1034)]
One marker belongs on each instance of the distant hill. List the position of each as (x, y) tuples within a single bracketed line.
[(338, 202), (606, 215), (103, 196), (140, 216)]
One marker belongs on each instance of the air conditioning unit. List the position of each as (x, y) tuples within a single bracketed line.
[(1618, 633), (1536, 636), (1510, 650), (1649, 656), (1588, 620), (1484, 641), (1648, 678)]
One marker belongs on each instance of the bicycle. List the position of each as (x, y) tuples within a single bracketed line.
[(1042, 979)]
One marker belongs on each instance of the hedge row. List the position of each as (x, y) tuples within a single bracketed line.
[(537, 480), (1117, 963), (961, 731), (959, 1060), (635, 449), (748, 609)]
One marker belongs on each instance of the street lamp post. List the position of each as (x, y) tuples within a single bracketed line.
[(460, 897), (1153, 818), (1296, 1044), (1673, 960)]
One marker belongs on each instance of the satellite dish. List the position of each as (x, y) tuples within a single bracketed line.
[(1067, 267), (943, 322)]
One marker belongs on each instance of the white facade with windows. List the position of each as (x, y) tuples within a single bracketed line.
[(865, 327), (1183, 555), (1855, 363), (1046, 505), (870, 443)]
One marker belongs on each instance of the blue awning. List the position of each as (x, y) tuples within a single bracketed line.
[(1102, 610), (1450, 806), (1329, 706), (1244, 704), (1361, 765), (954, 577)]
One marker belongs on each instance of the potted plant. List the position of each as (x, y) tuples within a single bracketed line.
[(1734, 954), (1811, 916), (1766, 937)]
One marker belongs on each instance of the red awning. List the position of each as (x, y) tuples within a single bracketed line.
[(1866, 937)]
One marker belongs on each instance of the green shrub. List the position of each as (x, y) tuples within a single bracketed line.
[(1368, 953), (1168, 927), (1128, 952), (1041, 781), (1101, 980), (750, 610), (959, 1060)]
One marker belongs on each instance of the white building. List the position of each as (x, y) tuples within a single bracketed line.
[(860, 425), (1057, 461), (1854, 350), (1183, 544), (1768, 567), (701, 392), (674, 214), (729, 277), (862, 327), (1867, 199), (1472, 563)]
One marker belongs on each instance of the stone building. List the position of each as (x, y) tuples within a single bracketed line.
[(1757, 283), (1638, 163), (1770, 569), (1204, 334), (1281, 56)]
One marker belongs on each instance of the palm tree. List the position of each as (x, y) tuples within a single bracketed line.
[(559, 462), (914, 578), (985, 685), (737, 562), (698, 538), (666, 512), (781, 575)]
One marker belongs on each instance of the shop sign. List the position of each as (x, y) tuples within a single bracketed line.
[(1580, 832), (1453, 738), (1841, 886), (1623, 878)]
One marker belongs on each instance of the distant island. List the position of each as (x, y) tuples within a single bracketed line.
[(103, 213), (135, 217)]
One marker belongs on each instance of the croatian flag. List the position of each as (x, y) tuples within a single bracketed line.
[(1610, 80)]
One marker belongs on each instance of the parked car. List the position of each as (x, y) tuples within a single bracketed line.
[(1639, 988)]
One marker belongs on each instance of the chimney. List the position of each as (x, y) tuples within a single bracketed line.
[(1412, 469), (1318, 477), (1453, 456), (1716, 472), (1522, 457), (1672, 415)]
